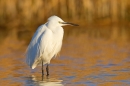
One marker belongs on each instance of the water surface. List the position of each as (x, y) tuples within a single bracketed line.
[(90, 56)]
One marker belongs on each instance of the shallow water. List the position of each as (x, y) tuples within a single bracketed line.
[(89, 57)]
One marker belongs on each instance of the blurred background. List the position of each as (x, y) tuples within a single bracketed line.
[(100, 44), (26, 16)]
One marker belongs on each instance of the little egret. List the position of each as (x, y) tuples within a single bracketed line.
[(46, 43)]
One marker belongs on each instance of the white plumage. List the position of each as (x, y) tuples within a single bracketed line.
[(46, 42)]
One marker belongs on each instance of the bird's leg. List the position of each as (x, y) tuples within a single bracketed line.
[(47, 69), (42, 69)]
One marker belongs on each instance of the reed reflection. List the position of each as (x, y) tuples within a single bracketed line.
[(90, 56)]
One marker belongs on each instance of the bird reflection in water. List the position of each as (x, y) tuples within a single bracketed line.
[(43, 81)]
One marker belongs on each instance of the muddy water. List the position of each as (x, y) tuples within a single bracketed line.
[(89, 57)]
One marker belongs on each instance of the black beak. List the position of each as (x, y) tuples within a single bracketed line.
[(68, 23)]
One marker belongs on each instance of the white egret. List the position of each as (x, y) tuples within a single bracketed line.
[(46, 43)]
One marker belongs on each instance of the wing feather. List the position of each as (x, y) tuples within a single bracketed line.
[(36, 46)]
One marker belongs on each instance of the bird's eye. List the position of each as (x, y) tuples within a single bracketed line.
[(59, 22)]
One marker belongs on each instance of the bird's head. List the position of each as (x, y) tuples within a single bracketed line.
[(56, 21)]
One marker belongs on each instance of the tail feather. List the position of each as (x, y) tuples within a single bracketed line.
[(36, 62)]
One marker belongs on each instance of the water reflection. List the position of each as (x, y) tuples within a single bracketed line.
[(43, 81), (90, 56)]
